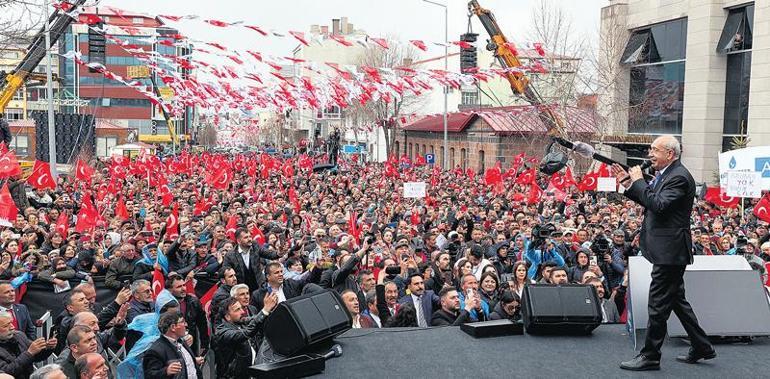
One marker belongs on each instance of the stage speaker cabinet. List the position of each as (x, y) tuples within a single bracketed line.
[(494, 328), (569, 309), (301, 322)]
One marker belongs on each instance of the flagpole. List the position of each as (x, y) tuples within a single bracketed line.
[(49, 94)]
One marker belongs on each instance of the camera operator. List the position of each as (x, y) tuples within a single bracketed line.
[(541, 249), (608, 263), (744, 248)]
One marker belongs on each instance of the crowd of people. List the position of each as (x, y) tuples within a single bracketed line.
[(270, 229)]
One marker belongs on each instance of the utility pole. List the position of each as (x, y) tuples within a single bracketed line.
[(49, 94)]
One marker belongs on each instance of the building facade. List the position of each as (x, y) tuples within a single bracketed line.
[(111, 100), (108, 135), (697, 69), (478, 139)]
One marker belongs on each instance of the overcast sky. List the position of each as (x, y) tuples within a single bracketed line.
[(404, 19)]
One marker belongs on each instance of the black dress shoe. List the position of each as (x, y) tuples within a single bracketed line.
[(640, 363), (694, 356)]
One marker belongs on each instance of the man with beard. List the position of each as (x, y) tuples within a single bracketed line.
[(80, 340), (245, 260), (17, 352), (387, 301), (450, 313), (227, 280), (442, 272), (192, 310), (235, 337)]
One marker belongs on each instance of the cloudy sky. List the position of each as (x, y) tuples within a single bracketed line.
[(403, 19)]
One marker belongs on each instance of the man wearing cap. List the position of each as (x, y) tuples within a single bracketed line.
[(180, 254)]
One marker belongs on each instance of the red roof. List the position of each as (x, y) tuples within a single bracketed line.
[(456, 122), (515, 119)]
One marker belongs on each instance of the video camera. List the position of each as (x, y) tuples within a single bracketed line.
[(542, 232)]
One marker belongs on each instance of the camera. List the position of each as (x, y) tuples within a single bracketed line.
[(540, 233), (393, 270), (369, 238), (601, 245)]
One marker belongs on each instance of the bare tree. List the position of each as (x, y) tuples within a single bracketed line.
[(565, 49), (381, 112), (19, 21)]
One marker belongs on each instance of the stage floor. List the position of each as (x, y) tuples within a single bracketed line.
[(447, 352)]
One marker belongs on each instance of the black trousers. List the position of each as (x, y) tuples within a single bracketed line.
[(666, 295)]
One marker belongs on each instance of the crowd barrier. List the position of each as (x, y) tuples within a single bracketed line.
[(40, 296)]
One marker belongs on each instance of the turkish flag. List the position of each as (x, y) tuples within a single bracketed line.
[(716, 196), (762, 209), (207, 297), (232, 226), (41, 176), (305, 162), (62, 224), (8, 210), (603, 171), (294, 199), (221, 179), (353, 227), (493, 175), (527, 177), (471, 174), (558, 181), (158, 283), (9, 165), (569, 180), (83, 171), (88, 215), (172, 224), (288, 170), (535, 193), (589, 182), (121, 212), (257, 235)]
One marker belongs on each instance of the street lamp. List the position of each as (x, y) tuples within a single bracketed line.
[(445, 159)]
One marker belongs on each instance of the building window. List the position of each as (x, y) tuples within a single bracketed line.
[(463, 158), (20, 144), (138, 20), (19, 95), (657, 43), (737, 33), (104, 146), (656, 99), (470, 98), (397, 148), (452, 157), (482, 165), (409, 152), (14, 114), (441, 158)]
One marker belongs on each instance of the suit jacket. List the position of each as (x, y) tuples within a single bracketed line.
[(291, 288), (665, 237), (20, 365), (156, 359), (430, 301), (197, 323), (233, 259), (26, 325), (443, 318)]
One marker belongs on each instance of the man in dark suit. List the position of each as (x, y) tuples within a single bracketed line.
[(22, 321), (450, 313), (168, 357), (424, 301), (666, 242), (193, 313), (285, 288), (245, 260)]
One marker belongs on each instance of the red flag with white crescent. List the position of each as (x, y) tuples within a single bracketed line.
[(762, 209), (9, 165), (158, 283), (41, 177), (83, 171), (172, 224), (207, 297), (716, 196)]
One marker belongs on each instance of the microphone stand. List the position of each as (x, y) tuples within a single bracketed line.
[(601, 158)]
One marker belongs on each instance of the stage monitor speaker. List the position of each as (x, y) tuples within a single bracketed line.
[(494, 328), (303, 321), (569, 309), (727, 296)]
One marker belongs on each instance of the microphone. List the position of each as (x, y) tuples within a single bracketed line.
[(336, 351), (587, 151)]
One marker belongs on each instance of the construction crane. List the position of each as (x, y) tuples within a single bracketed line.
[(520, 85), (10, 83)]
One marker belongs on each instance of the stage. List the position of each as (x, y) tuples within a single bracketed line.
[(448, 352)]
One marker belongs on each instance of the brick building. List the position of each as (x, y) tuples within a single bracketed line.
[(478, 139), (24, 142)]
